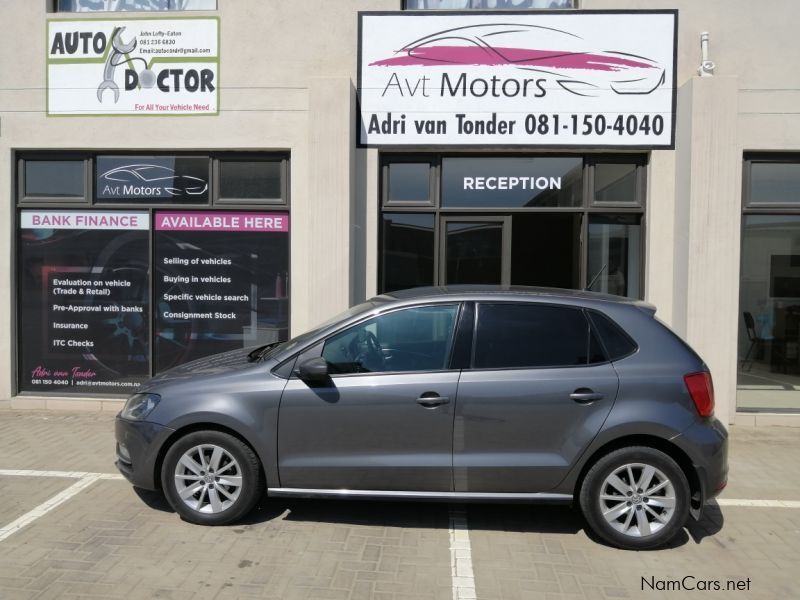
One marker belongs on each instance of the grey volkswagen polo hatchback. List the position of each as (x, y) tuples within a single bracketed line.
[(460, 394)]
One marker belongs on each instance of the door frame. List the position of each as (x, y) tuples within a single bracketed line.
[(440, 275)]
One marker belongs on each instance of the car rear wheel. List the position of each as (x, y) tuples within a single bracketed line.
[(635, 498), (211, 478)]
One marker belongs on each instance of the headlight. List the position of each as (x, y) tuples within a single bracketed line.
[(139, 406)]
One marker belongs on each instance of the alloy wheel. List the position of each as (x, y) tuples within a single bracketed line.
[(637, 499), (208, 479)]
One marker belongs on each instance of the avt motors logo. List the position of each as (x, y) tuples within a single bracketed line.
[(149, 180), (546, 53)]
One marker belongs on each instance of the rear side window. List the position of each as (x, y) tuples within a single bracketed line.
[(617, 343), (533, 335)]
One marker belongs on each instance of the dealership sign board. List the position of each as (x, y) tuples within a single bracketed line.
[(603, 79), (144, 66)]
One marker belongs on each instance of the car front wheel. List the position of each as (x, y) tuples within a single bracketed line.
[(211, 478), (635, 498)]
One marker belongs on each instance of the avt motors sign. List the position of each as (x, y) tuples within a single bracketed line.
[(602, 79), (133, 66)]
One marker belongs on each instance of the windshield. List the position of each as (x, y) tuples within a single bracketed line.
[(304, 337)]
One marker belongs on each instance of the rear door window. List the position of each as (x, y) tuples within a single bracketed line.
[(533, 335)]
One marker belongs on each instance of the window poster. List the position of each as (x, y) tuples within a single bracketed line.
[(221, 283), (83, 301)]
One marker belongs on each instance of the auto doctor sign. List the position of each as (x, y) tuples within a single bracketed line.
[(133, 66), (602, 79)]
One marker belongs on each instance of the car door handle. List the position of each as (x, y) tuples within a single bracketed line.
[(432, 400), (584, 395)]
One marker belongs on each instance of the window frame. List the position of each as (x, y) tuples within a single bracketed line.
[(90, 199), (748, 209), (750, 158), (587, 208), (53, 7), (22, 158), (433, 179), (89, 203), (216, 178), (640, 184)]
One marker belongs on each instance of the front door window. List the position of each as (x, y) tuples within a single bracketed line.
[(414, 339)]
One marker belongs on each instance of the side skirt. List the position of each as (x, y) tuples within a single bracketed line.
[(423, 496)]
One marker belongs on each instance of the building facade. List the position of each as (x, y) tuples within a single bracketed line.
[(188, 177)]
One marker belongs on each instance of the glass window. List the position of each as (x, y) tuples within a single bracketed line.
[(221, 282), (250, 179), (545, 249), (134, 5), (616, 342), (774, 183), (516, 219), (407, 256), (769, 319), (84, 301), (512, 182), (531, 335), (54, 179), (474, 252), (409, 182), (486, 4), (614, 265), (413, 339), (615, 183)]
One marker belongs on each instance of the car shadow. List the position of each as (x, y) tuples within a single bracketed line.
[(154, 500), (524, 518), (709, 525), (517, 518)]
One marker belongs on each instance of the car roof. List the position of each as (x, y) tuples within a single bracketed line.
[(506, 291)]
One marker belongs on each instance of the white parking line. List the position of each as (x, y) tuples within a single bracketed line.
[(758, 503), (85, 479), (47, 506), (461, 556)]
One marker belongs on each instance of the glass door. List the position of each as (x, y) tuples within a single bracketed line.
[(475, 250)]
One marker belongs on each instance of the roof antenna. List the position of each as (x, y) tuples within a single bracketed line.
[(600, 272)]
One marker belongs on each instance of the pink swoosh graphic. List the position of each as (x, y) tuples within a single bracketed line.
[(431, 56)]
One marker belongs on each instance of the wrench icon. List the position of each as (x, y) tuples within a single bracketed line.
[(118, 49)]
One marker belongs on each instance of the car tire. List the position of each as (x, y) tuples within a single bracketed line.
[(635, 498), (211, 478)]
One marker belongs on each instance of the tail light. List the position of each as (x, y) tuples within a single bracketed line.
[(701, 389)]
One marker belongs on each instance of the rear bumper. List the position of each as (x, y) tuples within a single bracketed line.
[(706, 444), (138, 445)]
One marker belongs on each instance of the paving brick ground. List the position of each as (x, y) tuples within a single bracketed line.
[(110, 542), (20, 494)]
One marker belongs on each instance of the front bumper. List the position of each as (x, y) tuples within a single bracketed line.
[(138, 445)]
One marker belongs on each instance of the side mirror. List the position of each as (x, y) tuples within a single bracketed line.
[(313, 369)]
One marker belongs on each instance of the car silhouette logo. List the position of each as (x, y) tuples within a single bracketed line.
[(577, 69), (172, 183)]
